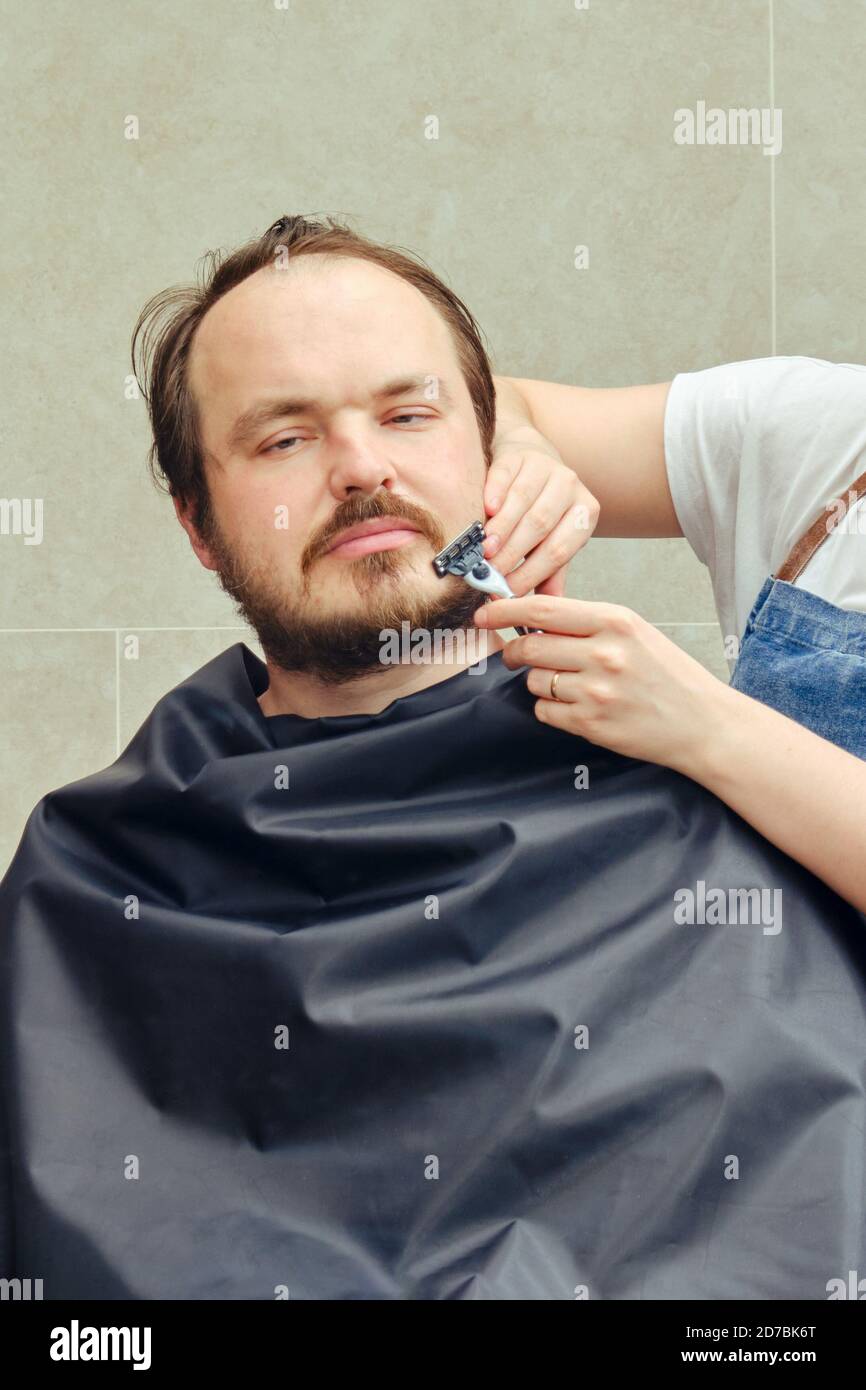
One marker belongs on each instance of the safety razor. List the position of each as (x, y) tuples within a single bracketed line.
[(464, 557)]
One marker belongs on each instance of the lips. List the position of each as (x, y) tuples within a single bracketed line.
[(396, 526)]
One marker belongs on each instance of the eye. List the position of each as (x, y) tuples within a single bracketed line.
[(411, 415), (289, 439)]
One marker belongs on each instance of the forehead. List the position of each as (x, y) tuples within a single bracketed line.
[(323, 324)]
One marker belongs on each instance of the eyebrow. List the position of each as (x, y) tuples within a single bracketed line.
[(250, 421)]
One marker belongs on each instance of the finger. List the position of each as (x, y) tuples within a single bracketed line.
[(535, 504), (556, 713), (500, 476), (572, 617), (555, 552), (527, 483), (539, 680), (555, 585), (546, 651)]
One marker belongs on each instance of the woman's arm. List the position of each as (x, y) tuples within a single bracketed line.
[(801, 792), (612, 437), (624, 685)]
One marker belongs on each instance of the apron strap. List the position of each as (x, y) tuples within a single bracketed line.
[(818, 532)]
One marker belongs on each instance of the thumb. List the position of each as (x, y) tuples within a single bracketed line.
[(555, 583)]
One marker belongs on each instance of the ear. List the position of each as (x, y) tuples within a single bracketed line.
[(202, 551)]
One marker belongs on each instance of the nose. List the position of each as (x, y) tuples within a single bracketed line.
[(359, 467)]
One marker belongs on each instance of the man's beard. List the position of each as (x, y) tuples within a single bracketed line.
[(341, 647)]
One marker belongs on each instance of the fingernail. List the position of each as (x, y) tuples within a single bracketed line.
[(494, 503), (493, 544)]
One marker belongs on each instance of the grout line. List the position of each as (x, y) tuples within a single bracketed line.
[(772, 192), (117, 692)]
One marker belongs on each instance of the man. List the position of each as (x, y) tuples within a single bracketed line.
[(356, 980)]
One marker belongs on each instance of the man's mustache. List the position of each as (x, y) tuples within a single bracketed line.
[(358, 509)]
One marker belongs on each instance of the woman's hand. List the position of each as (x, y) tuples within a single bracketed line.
[(627, 687), (538, 508), (622, 684)]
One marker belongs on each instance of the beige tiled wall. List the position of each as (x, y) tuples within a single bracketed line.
[(555, 131)]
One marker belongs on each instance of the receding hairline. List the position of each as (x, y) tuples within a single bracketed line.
[(331, 257), (272, 269)]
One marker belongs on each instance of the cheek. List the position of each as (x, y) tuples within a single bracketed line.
[(463, 496), (457, 485), (269, 513)]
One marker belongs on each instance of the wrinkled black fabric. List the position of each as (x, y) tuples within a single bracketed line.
[(417, 1042)]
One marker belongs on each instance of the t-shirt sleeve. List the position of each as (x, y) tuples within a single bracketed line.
[(707, 417), (754, 451)]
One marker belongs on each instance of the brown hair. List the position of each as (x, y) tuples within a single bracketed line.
[(175, 457)]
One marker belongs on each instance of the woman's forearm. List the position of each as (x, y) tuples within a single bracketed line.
[(801, 792), (512, 408)]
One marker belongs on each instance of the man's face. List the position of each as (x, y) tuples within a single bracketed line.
[(324, 343)]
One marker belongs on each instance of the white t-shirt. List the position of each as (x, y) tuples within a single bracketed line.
[(754, 451)]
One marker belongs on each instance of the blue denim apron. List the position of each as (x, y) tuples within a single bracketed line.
[(803, 655)]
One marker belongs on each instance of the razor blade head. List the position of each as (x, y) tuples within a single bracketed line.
[(463, 554)]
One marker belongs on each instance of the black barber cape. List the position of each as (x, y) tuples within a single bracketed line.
[(395, 1006)]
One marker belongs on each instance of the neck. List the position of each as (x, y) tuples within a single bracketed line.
[(297, 692)]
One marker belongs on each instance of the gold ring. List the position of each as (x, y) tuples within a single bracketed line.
[(553, 694)]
